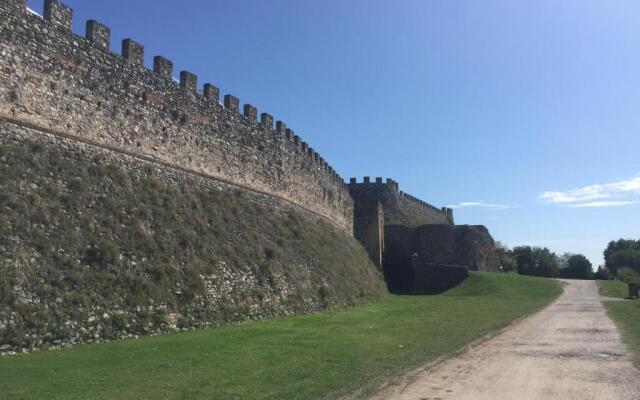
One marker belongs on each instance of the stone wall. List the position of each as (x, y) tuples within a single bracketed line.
[(399, 208), (100, 245), (75, 86), (368, 228), (461, 245)]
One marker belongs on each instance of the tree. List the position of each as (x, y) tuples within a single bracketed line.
[(622, 253), (628, 275), (536, 261), (546, 262), (524, 259), (563, 260), (508, 263), (577, 267), (603, 273), (506, 258)]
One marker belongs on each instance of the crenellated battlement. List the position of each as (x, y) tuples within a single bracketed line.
[(58, 14), (99, 34), (76, 86), (164, 157), (399, 207)]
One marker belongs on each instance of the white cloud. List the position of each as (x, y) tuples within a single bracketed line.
[(604, 204), (479, 204), (614, 190)]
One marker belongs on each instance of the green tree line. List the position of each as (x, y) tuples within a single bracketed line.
[(622, 261), (540, 261)]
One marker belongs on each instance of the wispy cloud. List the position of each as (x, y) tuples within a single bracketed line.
[(604, 204), (625, 192), (480, 204)]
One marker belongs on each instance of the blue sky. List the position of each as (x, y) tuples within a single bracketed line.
[(510, 110)]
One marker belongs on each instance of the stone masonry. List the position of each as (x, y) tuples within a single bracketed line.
[(418, 246), (73, 91), (399, 208), (76, 87)]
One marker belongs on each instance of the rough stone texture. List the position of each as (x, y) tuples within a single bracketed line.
[(266, 120), (188, 81), (250, 112), (378, 204), (43, 251), (211, 93), (58, 14), (54, 79), (99, 34), (461, 245), (232, 103), (434, 258), (133, 51), (399, 208), (163, 67), (20, 5), (368, 228), (476, 249)]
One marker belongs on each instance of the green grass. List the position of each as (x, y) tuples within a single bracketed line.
[(615, 289), (321, 356), (626, 314)]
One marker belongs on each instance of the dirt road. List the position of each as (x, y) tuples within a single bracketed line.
[(570, 350)]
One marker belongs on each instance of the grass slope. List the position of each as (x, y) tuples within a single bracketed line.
[(614, 289), (321, 356), (626, 314), (92, 250)]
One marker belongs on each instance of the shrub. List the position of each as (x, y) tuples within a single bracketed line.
[(627, 275), (119, 322), (103, 253), (271, 251)]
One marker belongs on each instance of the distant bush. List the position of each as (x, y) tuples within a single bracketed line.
[(539, 261), (576, 266), (603, 273), (507, 260), (271, 251), (536, 261), (628, 275), (622, 253)]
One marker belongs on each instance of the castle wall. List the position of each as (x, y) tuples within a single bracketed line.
[(368, 228), (99, 245), (413, 266), (399, 208), (76, 87), (461, 245)]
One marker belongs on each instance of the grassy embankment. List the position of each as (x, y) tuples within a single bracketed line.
[(615, 289), (92, 250), (322, 356), (626, 313)]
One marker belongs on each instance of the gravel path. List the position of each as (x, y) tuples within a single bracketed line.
[(570, 350)]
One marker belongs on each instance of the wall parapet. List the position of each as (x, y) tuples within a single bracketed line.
[(94, 94), (393, 199)]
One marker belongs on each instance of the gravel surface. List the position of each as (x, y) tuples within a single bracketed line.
[(570, 350)]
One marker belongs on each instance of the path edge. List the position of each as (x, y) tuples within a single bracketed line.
[(386, 387)]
